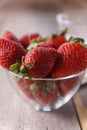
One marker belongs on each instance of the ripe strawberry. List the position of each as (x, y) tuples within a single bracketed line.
[(8, 35), (24, 85), (25, 39), (43, 44), (44, 92), (66, 85), (40, 61), (72, 59), (55, 41), (10, 52)]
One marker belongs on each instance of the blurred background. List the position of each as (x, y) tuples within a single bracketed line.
[(43, 4), (53, 5), (25, 16)]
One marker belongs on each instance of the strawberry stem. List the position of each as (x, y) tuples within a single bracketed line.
[(76, 39), (44, 92), (33, 87), (70, 39), (27, 86), (53, 35), (35, 40), (29, 75), (64, 31), (32, 46), (22, 69)]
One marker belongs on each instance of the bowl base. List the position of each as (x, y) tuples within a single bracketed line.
[(59, 102)]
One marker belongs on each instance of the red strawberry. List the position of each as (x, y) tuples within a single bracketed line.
[(43, 44), (66, 85), (10, 51), (45, 92), (40, 61), (25, 39), (72, 59), (8, 35), (24, 85), (55, 41)]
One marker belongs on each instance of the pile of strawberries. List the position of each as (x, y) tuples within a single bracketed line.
[(38, 57), (43, 57)]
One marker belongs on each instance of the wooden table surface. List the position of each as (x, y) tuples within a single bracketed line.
[(15, 114)]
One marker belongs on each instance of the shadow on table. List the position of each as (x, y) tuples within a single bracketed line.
[(66, 111)]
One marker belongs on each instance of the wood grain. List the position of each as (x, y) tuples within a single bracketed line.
[(81, 109)]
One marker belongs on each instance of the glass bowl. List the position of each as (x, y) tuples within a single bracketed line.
[(75, 21), (46, 94)]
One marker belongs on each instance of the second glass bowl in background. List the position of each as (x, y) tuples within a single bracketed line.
[(76, 22)]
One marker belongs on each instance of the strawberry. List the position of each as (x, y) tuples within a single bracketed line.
[(25, 39), (8, 35), (72, 59), (43, 44), (10, 52), (24, 85), (40, 61), (44, 92), (55, 41), (66, 85)]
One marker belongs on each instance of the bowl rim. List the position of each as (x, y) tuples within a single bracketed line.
[(49, 79)]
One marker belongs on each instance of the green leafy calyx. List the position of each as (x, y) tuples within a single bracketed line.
[(77, 40), (35, 40), (15, 67)]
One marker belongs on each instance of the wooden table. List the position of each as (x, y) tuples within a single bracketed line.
[(15, 114)]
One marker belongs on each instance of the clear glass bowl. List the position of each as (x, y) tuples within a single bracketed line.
[(46, 94), (75, 21)]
